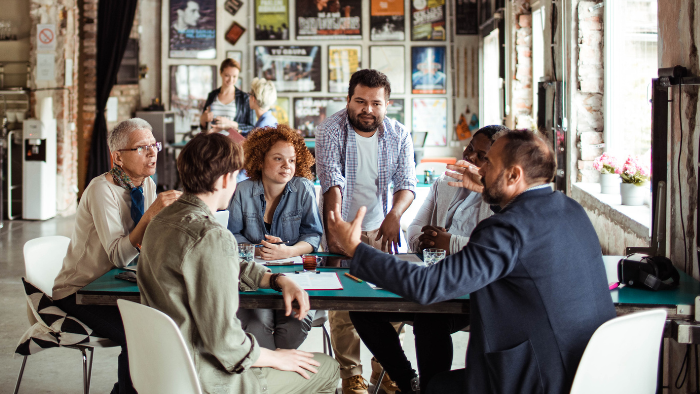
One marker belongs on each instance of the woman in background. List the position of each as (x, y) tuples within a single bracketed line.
[(227, 107), (262, 97)]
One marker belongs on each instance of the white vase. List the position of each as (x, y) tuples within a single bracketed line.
[(609, 183), (632, 194)]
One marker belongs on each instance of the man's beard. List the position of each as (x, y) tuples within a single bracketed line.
[(493, 194), (360, 126)]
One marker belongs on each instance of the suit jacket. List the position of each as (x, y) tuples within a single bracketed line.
[(244, 115), (537, 286)]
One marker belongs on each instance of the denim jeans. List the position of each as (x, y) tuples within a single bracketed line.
[(273, 329), (106, 322)]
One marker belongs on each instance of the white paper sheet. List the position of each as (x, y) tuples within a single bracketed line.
[(293, 260), (373, 286), (410, 257), (313, 281)]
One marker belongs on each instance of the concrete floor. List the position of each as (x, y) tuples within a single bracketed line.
[(59, 371)]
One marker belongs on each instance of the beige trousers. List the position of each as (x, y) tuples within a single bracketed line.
[(344, 338)]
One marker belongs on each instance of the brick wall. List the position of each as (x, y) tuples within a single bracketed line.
[(522, 76), (588, 97)]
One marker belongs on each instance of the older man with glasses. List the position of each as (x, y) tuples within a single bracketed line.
[(112, 217)]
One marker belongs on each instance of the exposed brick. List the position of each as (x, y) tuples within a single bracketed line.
[(525, 21)]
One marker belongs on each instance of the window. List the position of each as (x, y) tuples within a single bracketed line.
[(538, 19), (631, 61), (492, 104)]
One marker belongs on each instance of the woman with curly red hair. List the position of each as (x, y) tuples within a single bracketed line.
[(276, 208)]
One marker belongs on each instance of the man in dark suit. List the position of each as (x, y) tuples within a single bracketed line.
[(534, 273)]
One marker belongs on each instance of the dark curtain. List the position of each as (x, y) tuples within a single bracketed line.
[(115, 19)]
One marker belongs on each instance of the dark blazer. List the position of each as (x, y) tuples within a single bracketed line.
[(244, 115), (537, 286)]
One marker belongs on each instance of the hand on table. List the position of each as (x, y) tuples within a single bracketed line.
[(295, 361), (347, 234), (290, 292), (271, 251), (466, 174), (434, 237), (389, 233)]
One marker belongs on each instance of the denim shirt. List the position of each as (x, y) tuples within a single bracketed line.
[(295, 219)]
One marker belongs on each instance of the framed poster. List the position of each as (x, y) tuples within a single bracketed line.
[(466, 12), (387, 20), (280, 110), (189, 88), (428, 20), (292, 68), (271, 20), (343, 61), (430, 115), (192, 29), (390, 61), (234, 33), (309, 112), (395, 110), (329, 19), (427, 75)]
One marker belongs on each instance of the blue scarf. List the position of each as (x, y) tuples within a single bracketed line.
[(137, 199)]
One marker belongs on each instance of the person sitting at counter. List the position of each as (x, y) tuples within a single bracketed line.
[(227, 107), (112, 216), (277, 209), (262, 97)]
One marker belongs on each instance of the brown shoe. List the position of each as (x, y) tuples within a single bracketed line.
[(388, 385), (354, 385)]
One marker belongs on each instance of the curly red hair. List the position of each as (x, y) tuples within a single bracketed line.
[(261, 140)]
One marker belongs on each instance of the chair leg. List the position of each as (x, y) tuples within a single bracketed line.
[(327, 340), (85, 371), (89, 377), (379, 381), (21, 372)]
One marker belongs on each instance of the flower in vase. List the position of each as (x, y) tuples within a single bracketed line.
[(634, 171), (607, 164)]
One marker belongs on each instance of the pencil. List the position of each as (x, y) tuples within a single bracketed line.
[(356, 279)]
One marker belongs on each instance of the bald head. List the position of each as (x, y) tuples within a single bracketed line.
[(529, 151)]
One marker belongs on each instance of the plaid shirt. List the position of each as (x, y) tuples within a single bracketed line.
[(336, 158)]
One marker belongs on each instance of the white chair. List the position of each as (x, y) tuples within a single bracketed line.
[(158, 357), (622, 355), (320, 319), (222, 217), (43, 259)]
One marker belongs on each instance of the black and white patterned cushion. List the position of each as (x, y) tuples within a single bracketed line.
[(53, 327)]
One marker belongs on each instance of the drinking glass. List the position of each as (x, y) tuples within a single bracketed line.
[(310, 262), (246, 252), (433, 256)]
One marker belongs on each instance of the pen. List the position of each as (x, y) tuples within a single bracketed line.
[(356, 279), (274, 243)]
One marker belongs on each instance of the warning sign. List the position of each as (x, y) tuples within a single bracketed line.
[(46, 37)]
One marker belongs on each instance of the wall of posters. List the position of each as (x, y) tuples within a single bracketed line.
[(387, 20), (309, 112), (466, 12), (430, 114), (332, 19), (271, 20), (428, 20), (390, 61), (189, 88), (343, 61), (192, 29), (427, 70), (395, 110), (292, 68), (281, 110)]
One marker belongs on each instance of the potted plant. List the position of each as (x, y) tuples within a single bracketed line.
[(635, 177), (609, 168)]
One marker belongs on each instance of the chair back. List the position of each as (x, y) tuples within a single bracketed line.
[(43, 259), (622, 356), (158, 357), (222, 217)]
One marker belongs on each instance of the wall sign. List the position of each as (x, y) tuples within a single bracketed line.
[(46, 37)]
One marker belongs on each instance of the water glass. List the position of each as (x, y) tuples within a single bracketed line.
[(432, 256), (310, 262), (246, 252)]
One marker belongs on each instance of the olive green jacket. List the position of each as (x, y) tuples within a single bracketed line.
[(189, 270)]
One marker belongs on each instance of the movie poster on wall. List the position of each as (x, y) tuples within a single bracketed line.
[(395, 110), (387, 20), (280, 110), (189, 88), (466, 12), (427, 70), (430, 115), (271, 20), (428, 20), (390, 60), (330, 19), (343, 61), (291, 68), (192, 29), (309, 112)]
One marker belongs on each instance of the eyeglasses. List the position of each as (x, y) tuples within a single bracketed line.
[(141, 149)]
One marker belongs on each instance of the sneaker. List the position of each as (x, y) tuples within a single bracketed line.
[(354, 385), (388, 385)]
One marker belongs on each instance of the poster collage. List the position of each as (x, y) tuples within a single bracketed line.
[(298, 68)]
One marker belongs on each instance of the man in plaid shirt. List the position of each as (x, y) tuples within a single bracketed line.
[(359, 153)]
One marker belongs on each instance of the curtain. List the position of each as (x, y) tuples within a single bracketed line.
[(115, 19)]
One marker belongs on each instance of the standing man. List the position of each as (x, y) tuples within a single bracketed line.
[(359, 152)]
